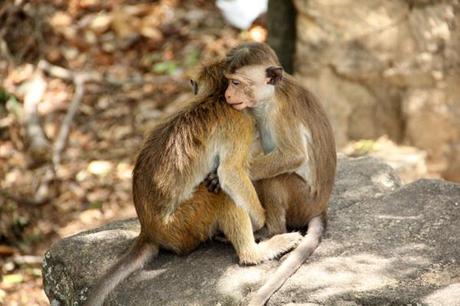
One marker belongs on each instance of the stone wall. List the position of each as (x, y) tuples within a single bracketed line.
[(386, 68)]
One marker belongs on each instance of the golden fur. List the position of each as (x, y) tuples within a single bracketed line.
[(174, 210)]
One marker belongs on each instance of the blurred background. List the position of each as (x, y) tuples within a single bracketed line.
[(82, 81)]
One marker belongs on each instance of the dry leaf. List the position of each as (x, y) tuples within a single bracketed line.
[(6, 250), (60, 19), (101, 23), (100, 167)]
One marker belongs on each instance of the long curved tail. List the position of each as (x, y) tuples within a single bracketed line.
[(292, 263), (133, 260)]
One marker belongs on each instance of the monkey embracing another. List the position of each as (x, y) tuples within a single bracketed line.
[(295, 175), (175, 211)]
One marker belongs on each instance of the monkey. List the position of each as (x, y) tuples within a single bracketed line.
[(175, 210), (194, 86), (295, 174)]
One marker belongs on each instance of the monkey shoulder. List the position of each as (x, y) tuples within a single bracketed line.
[(232, 118), (204, 117)]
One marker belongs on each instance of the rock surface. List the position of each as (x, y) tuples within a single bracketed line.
[(385, 245), (386, 68)]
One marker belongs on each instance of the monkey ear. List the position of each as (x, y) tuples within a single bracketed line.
[(274, 75), (194, 85)]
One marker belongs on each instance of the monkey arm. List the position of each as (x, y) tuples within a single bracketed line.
[(263, 166), (275, 163), (237, 184), (284, 145), (233, 172)]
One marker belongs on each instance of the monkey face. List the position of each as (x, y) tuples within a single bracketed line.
[(250, 86)]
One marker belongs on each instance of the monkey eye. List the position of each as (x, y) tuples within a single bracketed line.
[(236, 82)]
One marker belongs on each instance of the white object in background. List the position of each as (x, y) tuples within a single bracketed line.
[(241, 13)]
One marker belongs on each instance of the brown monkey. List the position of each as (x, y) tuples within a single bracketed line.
[(295, 175), (176, 213)]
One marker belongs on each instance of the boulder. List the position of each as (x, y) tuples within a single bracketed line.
[(385, 245), (408, 161), (386, 68), (402, 248)]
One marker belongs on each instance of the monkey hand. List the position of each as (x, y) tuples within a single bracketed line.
[(212, 182)]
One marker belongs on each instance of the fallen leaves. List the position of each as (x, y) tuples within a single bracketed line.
[(11, 279), (139, 58), (7, 250), (100, 167)]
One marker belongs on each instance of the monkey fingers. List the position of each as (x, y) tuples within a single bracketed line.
[(212, 182), (214, 185)]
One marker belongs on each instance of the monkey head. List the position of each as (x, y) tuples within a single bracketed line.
[(247, 76), (251, 85), (253, 72), (210, 79)]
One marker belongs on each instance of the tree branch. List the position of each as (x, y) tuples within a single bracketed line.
[(38, 144), (79, 81)]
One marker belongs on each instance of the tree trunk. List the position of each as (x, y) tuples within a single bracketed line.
[(281, 21)]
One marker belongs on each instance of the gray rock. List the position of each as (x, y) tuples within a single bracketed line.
[(359, 179), (397, 249), (385, 245)]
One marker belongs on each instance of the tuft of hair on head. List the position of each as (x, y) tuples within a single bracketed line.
[(251, 54), (211, 78)]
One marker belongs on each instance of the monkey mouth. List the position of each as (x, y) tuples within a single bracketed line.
[(233, 104)]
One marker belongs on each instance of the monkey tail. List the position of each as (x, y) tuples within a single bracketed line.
[(140, 252), (292, 263)]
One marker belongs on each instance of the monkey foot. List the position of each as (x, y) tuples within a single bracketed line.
[(271, 248)]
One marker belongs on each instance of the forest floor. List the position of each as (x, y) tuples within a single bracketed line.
[(137, 57), (141, 56)]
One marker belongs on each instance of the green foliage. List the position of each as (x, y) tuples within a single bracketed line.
[(13, 279), (2, 296), (364, 147), (172, 66), (4, 96), (192, 58), (95, 205), (36, 272), (13, 106), (166, 67)]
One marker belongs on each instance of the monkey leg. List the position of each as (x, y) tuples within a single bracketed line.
[(276, 219), (193, 222), (288, 202), (235, 223), (275, 198), (302, 205)]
